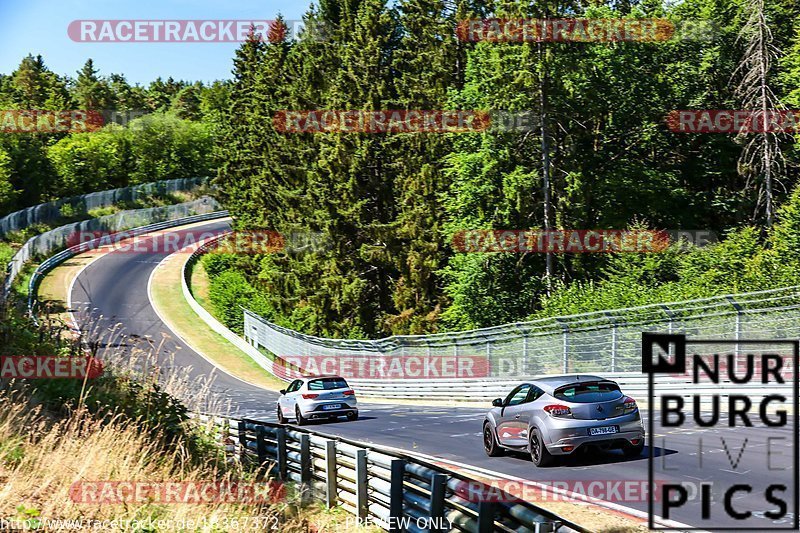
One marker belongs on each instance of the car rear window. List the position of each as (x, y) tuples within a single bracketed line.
[(588, 392), (327, 384)]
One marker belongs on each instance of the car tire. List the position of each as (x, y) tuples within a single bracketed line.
[(299, 416), (539, 454), (490, 444), (281, 418), (352, 416), (630, 451)]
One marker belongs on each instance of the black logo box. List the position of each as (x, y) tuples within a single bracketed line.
[(678, 366)]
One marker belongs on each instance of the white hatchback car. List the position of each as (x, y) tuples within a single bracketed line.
[(315, 397)]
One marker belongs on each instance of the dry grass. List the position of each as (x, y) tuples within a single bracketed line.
[(39, 469), (45, 450)]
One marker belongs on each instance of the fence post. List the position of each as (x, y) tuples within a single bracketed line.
[(438, 484), (486, 517), (362, 505), (330, 473), (242, 440), (525, 353), (281, 438), (398, 470), (737, 347), (671, 316), (565, 338), (613, 341)]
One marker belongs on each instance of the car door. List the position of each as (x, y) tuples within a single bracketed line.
[(289, 400), (512, 429)]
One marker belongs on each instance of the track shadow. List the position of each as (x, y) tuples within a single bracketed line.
[(324, 421), (595, 457)]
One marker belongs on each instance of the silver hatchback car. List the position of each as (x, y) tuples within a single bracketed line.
[(309, 398), (557, 415)]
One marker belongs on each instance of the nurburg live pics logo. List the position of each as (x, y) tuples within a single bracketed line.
[(748, 426)]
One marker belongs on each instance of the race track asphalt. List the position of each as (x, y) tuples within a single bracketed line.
[(113, 289)]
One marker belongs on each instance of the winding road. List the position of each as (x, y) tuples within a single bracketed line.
[(114, 289)]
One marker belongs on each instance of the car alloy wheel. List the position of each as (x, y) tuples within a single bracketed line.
[(539, 454), (281, 418), (490, 445), (300, 420)]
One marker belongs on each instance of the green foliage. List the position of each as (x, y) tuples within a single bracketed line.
[(154, 147), (174, 142), (742, 262)]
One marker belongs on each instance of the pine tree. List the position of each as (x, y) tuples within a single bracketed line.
[(91, 91)]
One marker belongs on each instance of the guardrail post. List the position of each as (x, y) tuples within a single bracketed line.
[(438, 484), (486, 517), (305, 459), (362, 504), (330, 474), (261, 449), (282, 458), (242, 440), (398, 470)]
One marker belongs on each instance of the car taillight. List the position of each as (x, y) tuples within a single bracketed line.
[(557, 410), (628, 405), (310, 396), (350, 392)]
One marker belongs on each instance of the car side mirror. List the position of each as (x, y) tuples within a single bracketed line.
[(497, 402), (283, 391)]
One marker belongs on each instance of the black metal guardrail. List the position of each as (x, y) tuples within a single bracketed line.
[(395, 491)]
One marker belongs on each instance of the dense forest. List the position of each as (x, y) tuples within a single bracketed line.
[(603, 158), (161, 131)]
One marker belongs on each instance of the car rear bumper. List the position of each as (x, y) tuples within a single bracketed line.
[(566, 438), (312, 409), (330, 413)]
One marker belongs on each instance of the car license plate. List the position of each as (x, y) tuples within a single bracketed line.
[(331, 406), (605, 430)]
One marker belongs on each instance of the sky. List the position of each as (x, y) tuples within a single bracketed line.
[(40, 27)]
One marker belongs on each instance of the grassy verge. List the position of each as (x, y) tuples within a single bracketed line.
[(65, 448), (167, 298)]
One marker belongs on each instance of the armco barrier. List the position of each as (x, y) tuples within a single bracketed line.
[(46, 243), (62, 256), (80, 205), (215, 325), (605, 341), (396, 491), (461, 389)]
